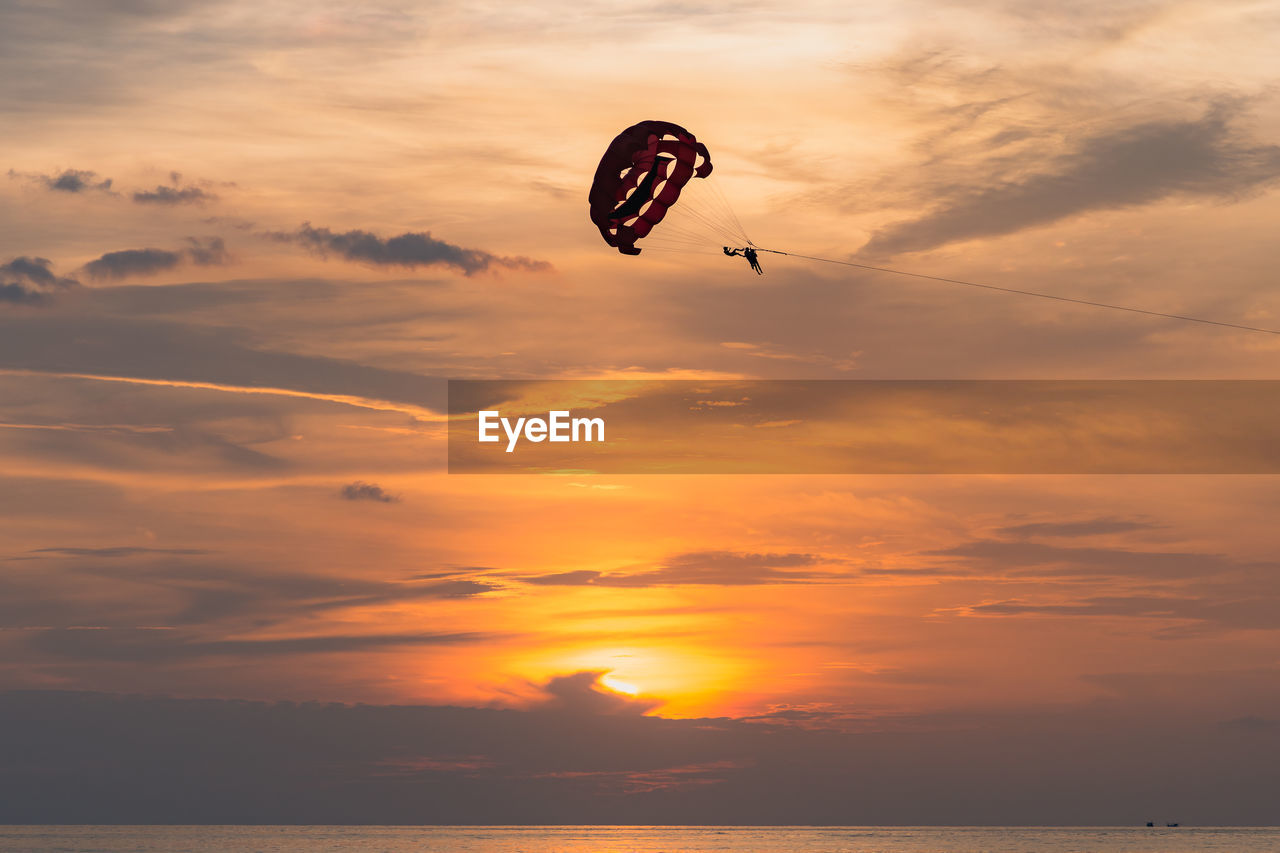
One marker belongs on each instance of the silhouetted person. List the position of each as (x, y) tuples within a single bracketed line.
[(748, 253)]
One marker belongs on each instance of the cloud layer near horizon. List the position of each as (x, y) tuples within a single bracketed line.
[(575, 762)]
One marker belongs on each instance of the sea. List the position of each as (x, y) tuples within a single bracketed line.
[(633, 839)]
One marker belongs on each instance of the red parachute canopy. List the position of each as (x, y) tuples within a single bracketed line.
[(640, 176)]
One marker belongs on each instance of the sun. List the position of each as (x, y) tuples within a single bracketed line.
[(687, 681), (617, 686)]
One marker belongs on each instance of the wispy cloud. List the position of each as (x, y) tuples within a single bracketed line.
[(1045, 560), (1210, 156), (206, 602), (175, 193), (707, 568), (411, 249), (1088, 527), (1254, 613), (157, 646), (362, 491), (27, 280), (67, 181), (132, 263), (118, 551)]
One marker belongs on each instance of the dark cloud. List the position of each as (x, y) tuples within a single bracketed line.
[(125, 343), (459, 570), (35, 271), (236, 222), (121, 551), (583, 577), (1252, 723), (710, 568), (132, 263), (68, 180), (665, 779), (582, 693), (16, 294), (209, 252), (411, 249), (92, 758), (154, 645), (1208, 156), (446, 589), (84, 180), (184, 588), (27, 280), (1257, 613), (1039, 559), (189, 447), (277, 598), (362, 491), (128, 263), (174, 195), (1091, 527)]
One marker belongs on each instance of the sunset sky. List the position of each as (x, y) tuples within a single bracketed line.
[(222, 429)]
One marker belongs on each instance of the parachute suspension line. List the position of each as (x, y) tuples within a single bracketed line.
[(701, 233), (679, 244), (670, 230), (726, 211), (731, 215), (677, 241), (701, 217), (673, 236), (1038, 294), (707, 220), (692, 250)]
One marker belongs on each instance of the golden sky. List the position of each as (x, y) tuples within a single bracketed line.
[(221, 443)]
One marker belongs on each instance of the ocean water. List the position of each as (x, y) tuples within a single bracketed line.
[(632, 839)]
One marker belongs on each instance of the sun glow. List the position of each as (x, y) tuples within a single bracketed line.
[(686, 682), (618, 686)]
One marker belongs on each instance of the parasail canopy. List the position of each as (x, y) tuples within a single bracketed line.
[(640, 178)]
